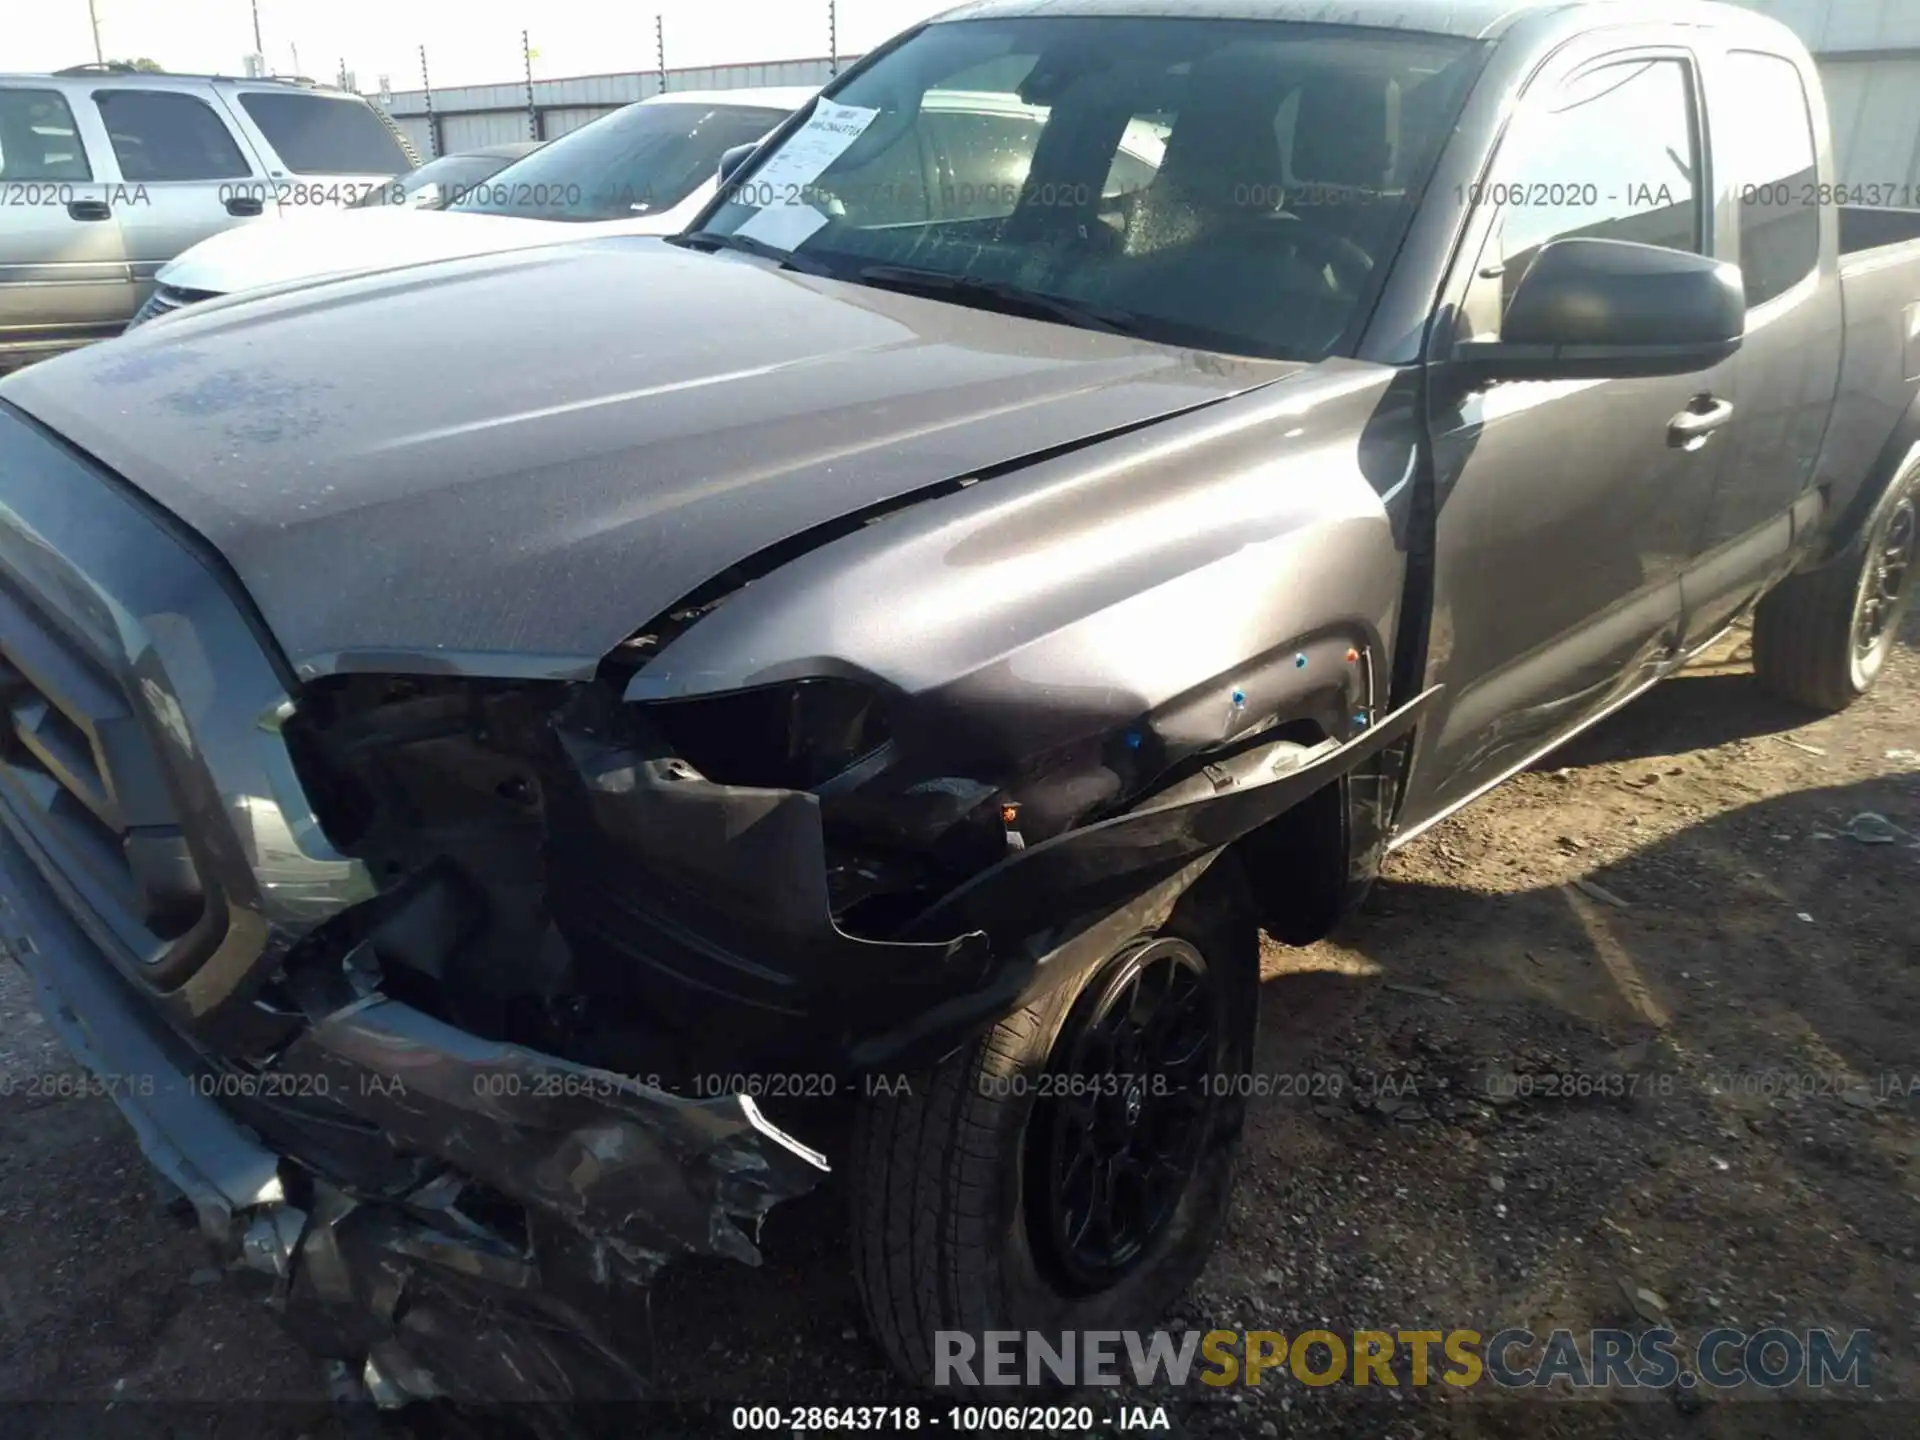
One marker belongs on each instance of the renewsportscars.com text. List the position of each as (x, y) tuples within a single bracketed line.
[(1516, 1359)]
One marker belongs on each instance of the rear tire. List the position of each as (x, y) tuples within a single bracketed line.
[(1823, 637), (965, 1193)]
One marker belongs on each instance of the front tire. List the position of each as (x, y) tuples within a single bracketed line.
[(1822, 638), (976, 1198)]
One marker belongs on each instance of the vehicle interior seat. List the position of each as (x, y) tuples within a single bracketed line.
[(1211, 240), (49, 151)]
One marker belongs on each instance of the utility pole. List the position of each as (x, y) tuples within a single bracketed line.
[(258, 48), (833, 37), (533, 113), (660, 49), (99, 55), (433, 126)]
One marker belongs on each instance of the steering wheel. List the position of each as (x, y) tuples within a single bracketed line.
[(1352, 267)]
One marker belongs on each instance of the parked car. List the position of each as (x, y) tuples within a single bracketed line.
[(108, 173), (645, 169), (522, 766), (438, 183)]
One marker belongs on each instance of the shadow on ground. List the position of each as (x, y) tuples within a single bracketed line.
[(1497, 1096), (1494, 1098)]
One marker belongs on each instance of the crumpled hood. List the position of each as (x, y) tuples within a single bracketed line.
[(343, 242), (506, 465)]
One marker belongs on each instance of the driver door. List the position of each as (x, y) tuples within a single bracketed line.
[(1566, 510)]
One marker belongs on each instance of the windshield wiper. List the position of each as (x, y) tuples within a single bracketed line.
[(747, 245), (999, 295)]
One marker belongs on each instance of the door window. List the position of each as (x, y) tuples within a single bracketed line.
[(1135, 164), (642, 159), (325, 134), (162, 135), (884, 185), (38, 139), (1614, 157), (983, 158), (1764, 130)]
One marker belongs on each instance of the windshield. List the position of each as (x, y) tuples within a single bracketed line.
[(445, 180), (637, 161), (1226, 184)]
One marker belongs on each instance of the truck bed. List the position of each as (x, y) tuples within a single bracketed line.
[(1863, 228), (1880, 371)]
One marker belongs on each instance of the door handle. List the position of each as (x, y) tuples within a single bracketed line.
[(243, 205), (1690, 429), (89, 210)]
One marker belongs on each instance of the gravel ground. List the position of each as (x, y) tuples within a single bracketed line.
[(1672, 913)]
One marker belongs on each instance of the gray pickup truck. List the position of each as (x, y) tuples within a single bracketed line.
[(519, 766)]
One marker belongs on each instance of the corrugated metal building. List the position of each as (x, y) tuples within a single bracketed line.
[(1869, 54), (465, 116)]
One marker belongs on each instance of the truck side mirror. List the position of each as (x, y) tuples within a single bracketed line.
[(732, 159), (1613, 309)]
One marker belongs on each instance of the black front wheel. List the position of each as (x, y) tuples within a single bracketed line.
[(1070, 1171)]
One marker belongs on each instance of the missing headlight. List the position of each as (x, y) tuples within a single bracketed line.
[(797, 736)]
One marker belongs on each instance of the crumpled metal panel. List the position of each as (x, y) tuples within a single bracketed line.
[(653, 1175)]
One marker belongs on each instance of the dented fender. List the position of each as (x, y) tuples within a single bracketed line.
[(1228, 798), (723, 894), (1144, 578)]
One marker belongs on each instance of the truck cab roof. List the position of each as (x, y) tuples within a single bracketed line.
[(1466, 19)]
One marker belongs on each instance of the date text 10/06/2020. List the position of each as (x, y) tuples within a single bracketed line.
[(959, 1419)]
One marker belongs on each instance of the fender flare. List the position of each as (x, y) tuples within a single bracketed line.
[(1899, 457), (1016, 895), (1182, 839)]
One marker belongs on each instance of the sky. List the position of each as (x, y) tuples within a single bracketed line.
[(469, 42)]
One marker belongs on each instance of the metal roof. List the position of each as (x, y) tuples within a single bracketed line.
[(161, 79)]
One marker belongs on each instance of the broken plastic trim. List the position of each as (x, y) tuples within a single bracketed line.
[(1227, 799), (723, 893), (731, 881)]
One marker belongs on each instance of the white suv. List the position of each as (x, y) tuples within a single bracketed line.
[(107, 173)]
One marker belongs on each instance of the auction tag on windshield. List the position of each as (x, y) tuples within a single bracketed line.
[(787, 226), (809, 150)]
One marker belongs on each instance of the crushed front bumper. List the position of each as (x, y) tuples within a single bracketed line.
[(494, 1251)]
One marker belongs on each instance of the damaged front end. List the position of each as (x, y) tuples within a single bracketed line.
[(624, 947), (782, 888), (446, 1215), (615, 957), (527, 986)]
